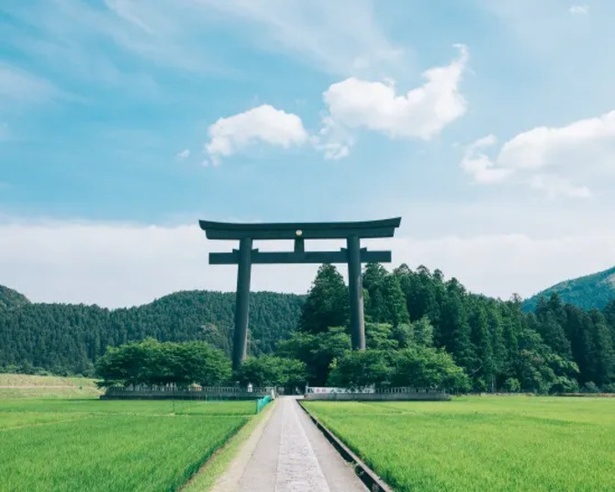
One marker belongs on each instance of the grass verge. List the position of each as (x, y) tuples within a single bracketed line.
[(206, 477)]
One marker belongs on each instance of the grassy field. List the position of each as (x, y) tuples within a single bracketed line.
[(26, 386), (482, 443), (60, 444)]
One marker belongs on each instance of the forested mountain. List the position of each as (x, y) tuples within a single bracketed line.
[(588, 292), (414, 318), (416, 321), (556, 348), (65, 338), (10, 298)]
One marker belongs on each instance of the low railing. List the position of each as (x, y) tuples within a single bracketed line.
[(262, 402), (188, 393), (369, 390), (373, 393), (406, 389)]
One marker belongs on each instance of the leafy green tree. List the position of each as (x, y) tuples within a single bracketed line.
[(373, 279), (484, 374), (455, 331), (538, 369), (394, 308), (403, 335), (600, 351), (128, 365), (512, 385), (327, 303), (269, 370), (609, 316), (423, 292), (379, 336), (154, 363), (425, 367), (385, 300), (316, 351), (422, 330), (500, 353), (360, 369), (591, 387), (551, 317), (200, 363)]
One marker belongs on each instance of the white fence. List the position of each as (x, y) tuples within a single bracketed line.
[(373, 394)]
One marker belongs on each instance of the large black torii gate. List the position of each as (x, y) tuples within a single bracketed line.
[(246, 256)]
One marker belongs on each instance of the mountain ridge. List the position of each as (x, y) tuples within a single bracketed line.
[(70, 337), (10, 298), (592, 291)]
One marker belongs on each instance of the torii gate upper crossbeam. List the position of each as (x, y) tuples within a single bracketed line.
[(308, 230)]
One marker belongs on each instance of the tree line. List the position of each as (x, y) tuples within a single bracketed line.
[(421, 330), (150, 363), (425, 331), (67, 339), (414, 315)]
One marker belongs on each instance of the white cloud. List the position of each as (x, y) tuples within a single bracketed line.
[(479, 165), (333, 140), (129, 11), (579, 9), (261, 124), (182, 34), (122, 264), (554, 186), (19, 86), (184, 154), (551, 159), (500, 265), (420, 113), (341, 37), (162, 31), (83, 39)]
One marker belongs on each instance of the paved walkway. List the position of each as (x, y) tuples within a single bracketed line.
[(288, 454)]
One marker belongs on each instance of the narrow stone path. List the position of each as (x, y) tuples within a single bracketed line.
[(291, 455)]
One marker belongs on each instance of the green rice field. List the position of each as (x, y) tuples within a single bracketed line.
[(508, 443), (92, 445)]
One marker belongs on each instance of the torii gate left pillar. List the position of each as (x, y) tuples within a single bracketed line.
[(353, 255)]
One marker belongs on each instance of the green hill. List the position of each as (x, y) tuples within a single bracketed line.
[(68, 338), (557, 348), (10, 298), (588, 292)]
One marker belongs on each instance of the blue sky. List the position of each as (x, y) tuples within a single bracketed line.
[(487, 125)]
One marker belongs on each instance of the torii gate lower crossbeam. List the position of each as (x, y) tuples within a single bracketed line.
[(246, 256)]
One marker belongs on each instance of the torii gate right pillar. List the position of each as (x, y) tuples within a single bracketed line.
[(355, 290)]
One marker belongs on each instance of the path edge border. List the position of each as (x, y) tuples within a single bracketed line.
[(372, 481)]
